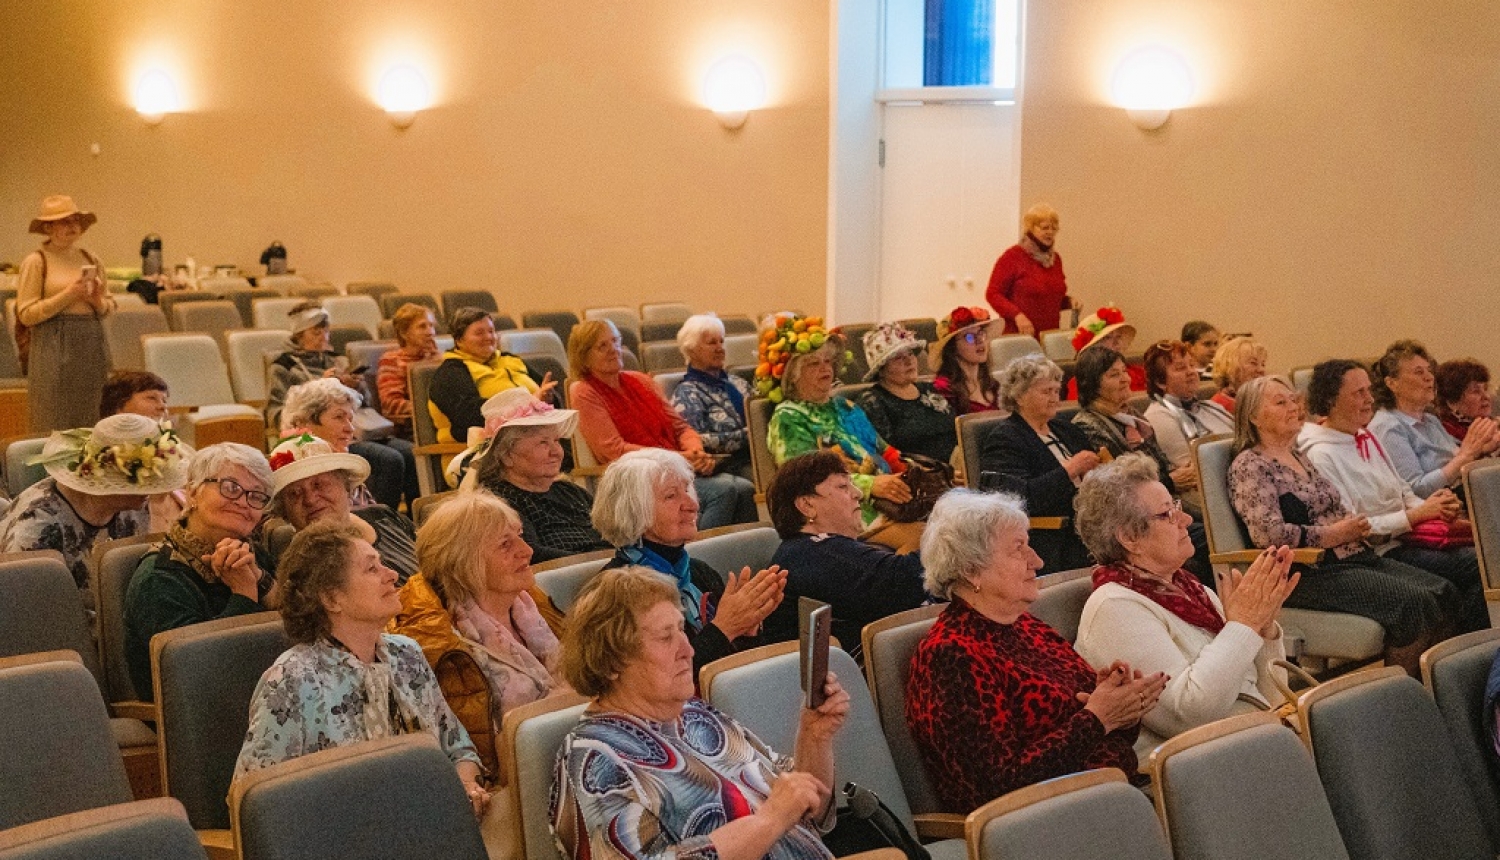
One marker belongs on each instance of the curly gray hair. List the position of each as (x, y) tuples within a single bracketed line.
[(1107, 506), (306, 403), (959, 540), (1022, 373), (626, 502)]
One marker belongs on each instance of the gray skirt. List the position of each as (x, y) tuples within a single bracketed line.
[(66, 372)]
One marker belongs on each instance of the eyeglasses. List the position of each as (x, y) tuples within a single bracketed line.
[(973, 338), (1171, 513), (230, 489)]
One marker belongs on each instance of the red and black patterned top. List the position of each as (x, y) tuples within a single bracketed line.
[(993, 708)]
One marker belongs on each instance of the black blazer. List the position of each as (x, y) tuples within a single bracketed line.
[(1027, 468)]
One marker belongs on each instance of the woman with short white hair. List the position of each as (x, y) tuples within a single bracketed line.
[(325, 408), (997, 700), (647, 508), (711, 399)]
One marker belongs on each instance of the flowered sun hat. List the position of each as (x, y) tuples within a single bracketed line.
[(886, 341), (960, 320), (1099, 324), (122, 455), (786, 337), (517, 407), (304, 455)]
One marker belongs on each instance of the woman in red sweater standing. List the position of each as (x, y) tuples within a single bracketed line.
[(1027, 286)]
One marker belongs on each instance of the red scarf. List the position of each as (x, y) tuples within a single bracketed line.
[(638, 412), (1185, 597)]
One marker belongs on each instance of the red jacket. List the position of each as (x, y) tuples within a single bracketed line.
[(1019, 284)]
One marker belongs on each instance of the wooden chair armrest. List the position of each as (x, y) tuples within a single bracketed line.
[(1305, 555), (1049, 523), (939, 825), (587, 471), (133, 710), (439, 449)]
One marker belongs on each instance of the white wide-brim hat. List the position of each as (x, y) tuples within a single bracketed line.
[(305, 455), (122, 455), (517, 407)]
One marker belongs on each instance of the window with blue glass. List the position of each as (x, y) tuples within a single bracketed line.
[(952, 43)]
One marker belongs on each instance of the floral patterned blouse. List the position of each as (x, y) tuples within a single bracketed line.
[(628, 788), (799, 428), (707, 407), (1281, 507), (318, 695), (41, 518)]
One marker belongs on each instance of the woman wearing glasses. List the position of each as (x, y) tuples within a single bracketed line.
[(962, 356), (206, 567), (1217, 651)]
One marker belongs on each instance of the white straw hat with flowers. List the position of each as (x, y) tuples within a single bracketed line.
[(1099, 325), (304, 455), (886, 341), (122, 455)]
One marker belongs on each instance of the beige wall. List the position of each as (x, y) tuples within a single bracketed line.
[(567, 163), (1336, 187)]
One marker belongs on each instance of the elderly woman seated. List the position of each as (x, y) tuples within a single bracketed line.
[(311, 483), (909, 414), (1463, 395), (647, 509), (815, 508), (416, 340), (1424, 454), (1038, 456), (473, 371), (621, 411), (96, 487), (522, 464), (1176, 413), (1403, 526), (309, 357), (1112, 423), (808, 417), (325, 408), (1285, 501), (1216, 651), (710, 399), (346, 680), (997, 700), (652, 771), (473, 611), (206, 568), (961, 355), (1202, 340), (1239, 360)]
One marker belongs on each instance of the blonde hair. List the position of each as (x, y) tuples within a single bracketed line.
[(450, 544), (581, 342), (1233, 353), (601, 634), (1037, 214), (1247, 403)]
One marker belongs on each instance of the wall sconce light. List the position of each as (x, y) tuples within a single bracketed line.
[(1149, 84), (155, 96), (732, 88), (402, 92)]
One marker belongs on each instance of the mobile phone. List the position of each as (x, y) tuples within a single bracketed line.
[(90, 272), (814, 625), (358, 370)]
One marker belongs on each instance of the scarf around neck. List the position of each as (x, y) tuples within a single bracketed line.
[(637, 411), (190, 549), (1184, 596), (1044, 257), (720, 382), (656, 557)]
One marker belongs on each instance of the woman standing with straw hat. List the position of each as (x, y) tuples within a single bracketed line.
[(60, 299)]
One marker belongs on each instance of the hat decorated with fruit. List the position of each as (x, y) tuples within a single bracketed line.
[(1099, 324), (886, 341), (785, 337), (122, 455), (961, 320)]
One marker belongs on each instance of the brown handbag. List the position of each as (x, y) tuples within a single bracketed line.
[(928, 480)]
